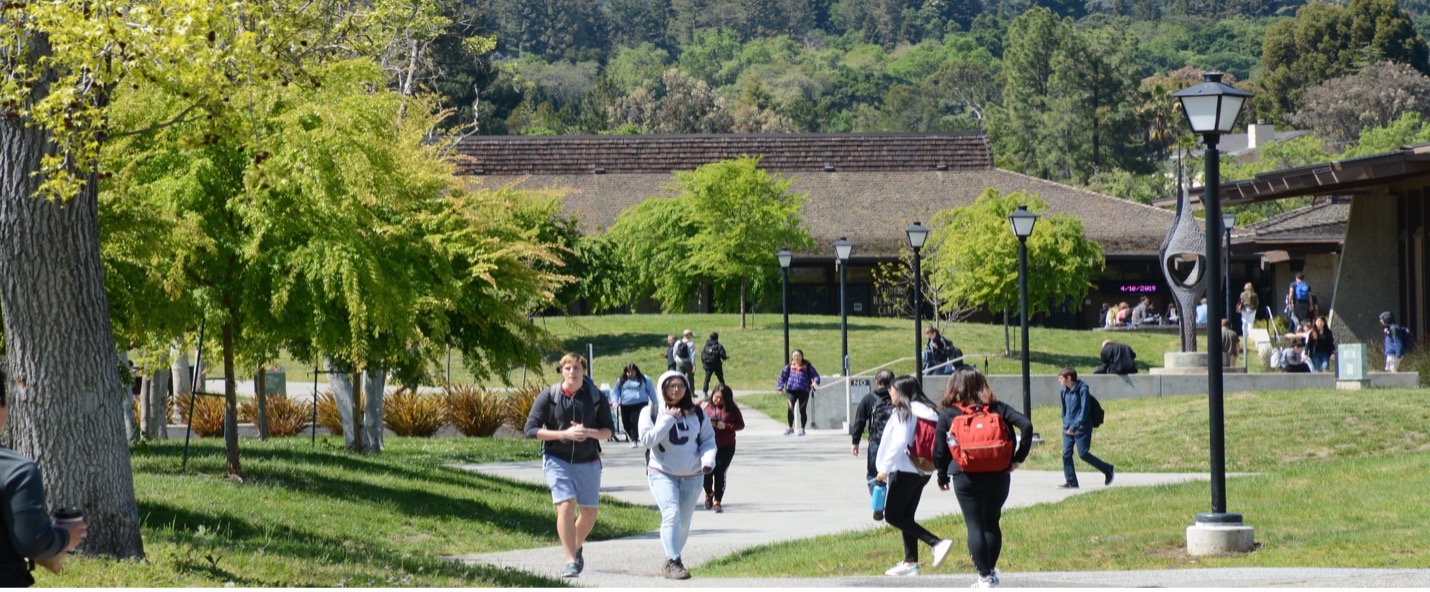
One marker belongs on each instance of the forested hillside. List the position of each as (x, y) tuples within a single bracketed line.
[(1070, 91)]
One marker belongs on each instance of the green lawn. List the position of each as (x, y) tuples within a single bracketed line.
[(1340, 481), (321, 517)]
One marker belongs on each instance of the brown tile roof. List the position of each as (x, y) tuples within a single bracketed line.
[(566, 155), (1321, 222), (873, 208)]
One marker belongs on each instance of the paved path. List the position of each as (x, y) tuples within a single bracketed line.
[(790, 487)]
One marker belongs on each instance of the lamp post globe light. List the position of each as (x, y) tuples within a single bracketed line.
[(1211, 109), (1022, 222), (785, 257), (918, 234), (842, 249)]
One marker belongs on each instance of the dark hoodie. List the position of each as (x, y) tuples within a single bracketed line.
[(1394, 336), (556, 410), (874, 410)]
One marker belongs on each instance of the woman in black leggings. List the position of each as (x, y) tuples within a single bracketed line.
[(724, 415), (797, 381), (905, 479), (980, 495)]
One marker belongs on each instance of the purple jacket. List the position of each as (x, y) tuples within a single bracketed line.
[(798, 380)]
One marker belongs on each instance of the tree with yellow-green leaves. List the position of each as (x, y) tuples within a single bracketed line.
[(221, 109)]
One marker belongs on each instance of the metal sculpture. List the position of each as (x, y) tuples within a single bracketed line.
[(1184, 260)]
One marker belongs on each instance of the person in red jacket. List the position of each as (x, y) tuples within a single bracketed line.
[(725, 417)]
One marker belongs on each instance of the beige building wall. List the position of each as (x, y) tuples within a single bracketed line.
[(1367, 283)]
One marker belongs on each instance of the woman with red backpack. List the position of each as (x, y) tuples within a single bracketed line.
[(974, 450), (899, 468)]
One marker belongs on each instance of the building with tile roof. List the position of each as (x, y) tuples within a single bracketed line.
[(867, 187)]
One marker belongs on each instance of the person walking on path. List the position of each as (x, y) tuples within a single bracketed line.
[(1077, 429), (685, 357), (873, 412), (682, 451), (1320, 345), (725, 417), (634, 391), (905, 481), (1299, 293), (1230, 343), (670, 353), (30, 534), (1247, 304), (980, 495), (797, 382), (712, 358), (571, 418), (1397, 341)]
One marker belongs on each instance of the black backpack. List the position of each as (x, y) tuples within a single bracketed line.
[(878, 417), (711, 355), (1094, 411)]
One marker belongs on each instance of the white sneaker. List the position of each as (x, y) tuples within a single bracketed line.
[(903, 569), (635, 444), (988, 582), (940, 551), (997, 582)]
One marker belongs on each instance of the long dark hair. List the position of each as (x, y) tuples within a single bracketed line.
[(632, 367), (727, 398), (910, 389), (687, 402), (968, 387)]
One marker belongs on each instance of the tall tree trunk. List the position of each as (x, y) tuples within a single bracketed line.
[(230, 397), (348, 401), (154, 399), (260, 397), (67, 401), (183, 380), (1007, 340), (374, 383), (742, 303)]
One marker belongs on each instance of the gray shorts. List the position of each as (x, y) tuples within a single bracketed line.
[(573, 480)]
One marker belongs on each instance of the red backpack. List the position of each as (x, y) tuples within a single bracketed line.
[(921, 450), (979, 441)]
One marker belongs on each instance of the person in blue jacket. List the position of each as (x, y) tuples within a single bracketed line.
[(633, 392), (1395, 341), (1077, 429)]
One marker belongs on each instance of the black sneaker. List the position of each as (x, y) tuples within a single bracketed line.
[(571, 570), (1068, 486), (1110, 470), (674, 570), (580, 559), (878, 515)]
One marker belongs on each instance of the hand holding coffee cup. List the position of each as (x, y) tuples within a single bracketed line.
[(72, 520)]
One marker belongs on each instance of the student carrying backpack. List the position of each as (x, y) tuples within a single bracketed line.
[(979, 441), (905, 461)]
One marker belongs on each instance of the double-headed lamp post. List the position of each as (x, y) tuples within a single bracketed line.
[(1211, 109), (1022, 222), (842, 249), (785, 257), (917, 235)]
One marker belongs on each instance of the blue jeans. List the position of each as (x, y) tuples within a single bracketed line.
[(1321, 362), (676, 497), (1083, 442)]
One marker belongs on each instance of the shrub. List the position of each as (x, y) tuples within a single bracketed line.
[(286, 417), (474, 410), (519, 406), (207, 414), (408, 414)]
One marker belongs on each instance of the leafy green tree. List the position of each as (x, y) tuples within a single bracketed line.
[(635, 66), (1339, 109), (1034, 40), (975, 255), (722, 229), (1411, 128)]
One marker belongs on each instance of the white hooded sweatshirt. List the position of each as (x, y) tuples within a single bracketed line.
[(898, 435), (680, 446)]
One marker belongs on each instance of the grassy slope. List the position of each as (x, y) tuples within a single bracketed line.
[(1340, 482)]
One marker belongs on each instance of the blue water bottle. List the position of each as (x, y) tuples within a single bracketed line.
[(877, 499)]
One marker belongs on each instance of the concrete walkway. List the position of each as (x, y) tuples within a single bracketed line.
[(788, 487)]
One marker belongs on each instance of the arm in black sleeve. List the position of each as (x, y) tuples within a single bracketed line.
[(861, 418), (32, 534), (941, 455), (539, 417), (1025, 428)]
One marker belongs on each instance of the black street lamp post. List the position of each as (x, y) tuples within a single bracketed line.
[(784, 257), (917, 235), (842, 249), (1022, 222), (1211, 109)]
